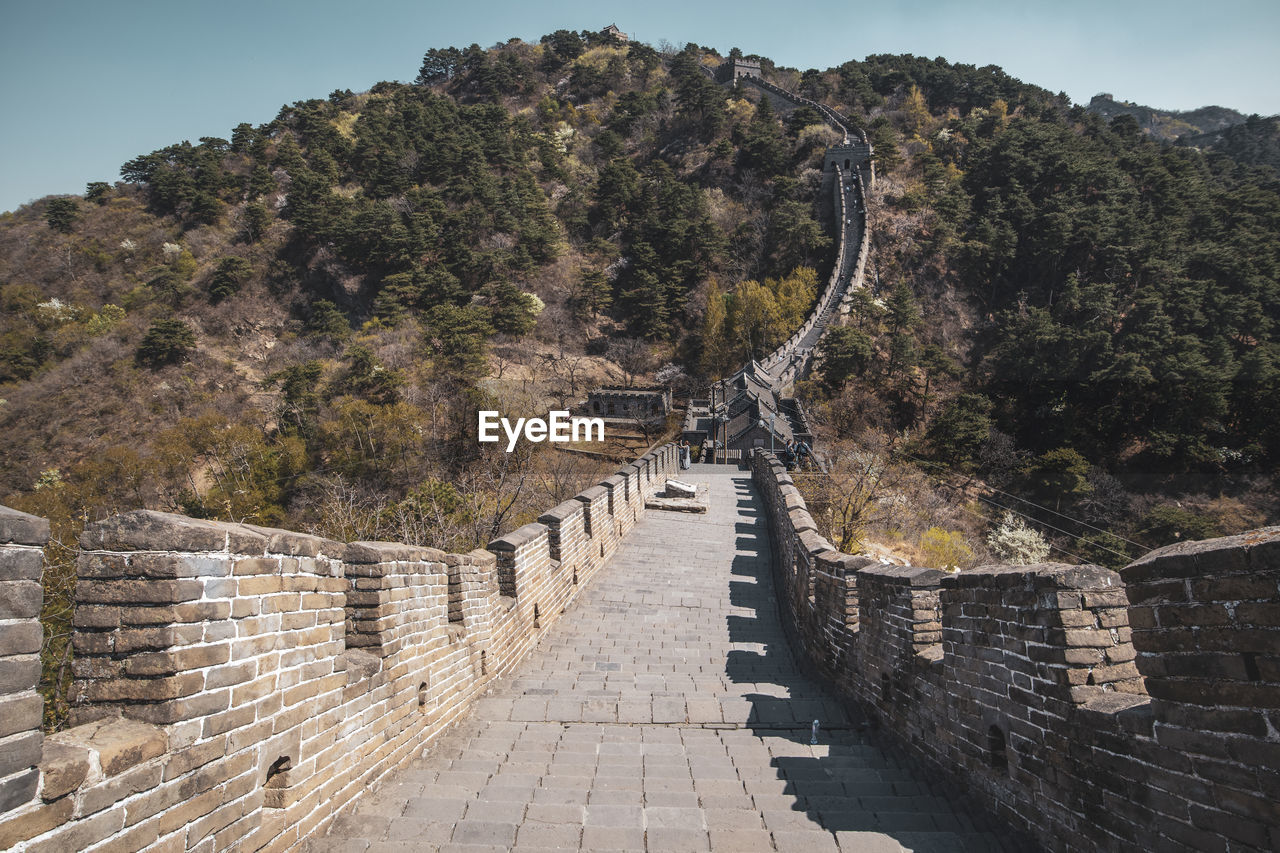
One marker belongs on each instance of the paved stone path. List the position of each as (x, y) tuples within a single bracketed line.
[(664, 713)]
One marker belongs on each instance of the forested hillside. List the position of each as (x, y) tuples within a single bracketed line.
[(1067, 346), (295, 325), (1096, 331), (1254, 141)]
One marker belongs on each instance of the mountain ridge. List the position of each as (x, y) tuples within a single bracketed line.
[(1166, 125)]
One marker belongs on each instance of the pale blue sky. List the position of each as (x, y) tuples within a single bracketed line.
[(88, 84)]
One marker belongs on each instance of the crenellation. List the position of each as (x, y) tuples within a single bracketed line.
[(22, 540), (241, 694), (235, 687), (1088, 708)]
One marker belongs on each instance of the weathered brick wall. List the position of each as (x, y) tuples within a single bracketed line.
[(849, 270), (1026, 685), (22, 539), (816, 596), (236, 687)]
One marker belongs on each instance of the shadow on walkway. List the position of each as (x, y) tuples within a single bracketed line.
[(845, 779)]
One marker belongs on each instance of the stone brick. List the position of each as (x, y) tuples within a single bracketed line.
[(1081, 638), (63, 767), (179, 660), (20, 638), (19, 713), (21, 528), (119, 743), (1107, 674), (256, 566), (18, 790), (18, 564), (138, 591), (147, 530), (1258, 613), (81, 834), (96, 616), (143, 689), (112, 790), (29, 823), (20, 751), (20, 599)]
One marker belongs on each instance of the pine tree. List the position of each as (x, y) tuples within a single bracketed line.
[(61, 214)]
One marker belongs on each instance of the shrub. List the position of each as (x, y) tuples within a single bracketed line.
[(944, 549)]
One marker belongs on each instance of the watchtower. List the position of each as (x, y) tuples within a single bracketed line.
[(732, 69)]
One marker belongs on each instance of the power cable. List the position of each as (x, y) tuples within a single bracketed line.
[(1037, 521), (1021, 499)]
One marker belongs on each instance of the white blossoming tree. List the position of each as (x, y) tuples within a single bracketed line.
[(1016, 543)]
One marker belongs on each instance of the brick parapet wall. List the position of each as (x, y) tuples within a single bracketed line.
[(1026, 686), (22, 540), (849, 270), (236, 687)]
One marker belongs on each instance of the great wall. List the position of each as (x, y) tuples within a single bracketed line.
[(242, 688), (237, 686)]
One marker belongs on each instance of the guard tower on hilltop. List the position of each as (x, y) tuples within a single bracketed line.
[(733, 68)]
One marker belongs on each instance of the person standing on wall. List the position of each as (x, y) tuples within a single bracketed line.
[(803, 454), (684, 453)]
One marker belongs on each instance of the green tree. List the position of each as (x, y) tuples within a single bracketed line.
[(324, 319), (368, 378), (1168, 523), (456, 340), (439, 65), (260, 181), (166, 342), (1060, 473), (97, 192), (699, 101), (845, 352), (61, 214), (241, 138), (513, 311), (764, 148), (1104, 549), (796, 236), (254, 221), (592, 294), (299, 407), (937, 365), (959, 431), (228, 277)]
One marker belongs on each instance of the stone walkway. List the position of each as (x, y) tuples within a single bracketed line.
[(664, 713)]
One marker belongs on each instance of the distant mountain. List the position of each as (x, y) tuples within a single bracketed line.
[(1166, 124), (1255, 141)]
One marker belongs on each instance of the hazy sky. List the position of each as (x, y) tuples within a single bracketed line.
[(85, 86)]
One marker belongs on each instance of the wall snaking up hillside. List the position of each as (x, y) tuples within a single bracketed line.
[(236, 687), (1137, 710)]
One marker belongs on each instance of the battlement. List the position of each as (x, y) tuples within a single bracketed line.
[(1092, 709), (235, 687)]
